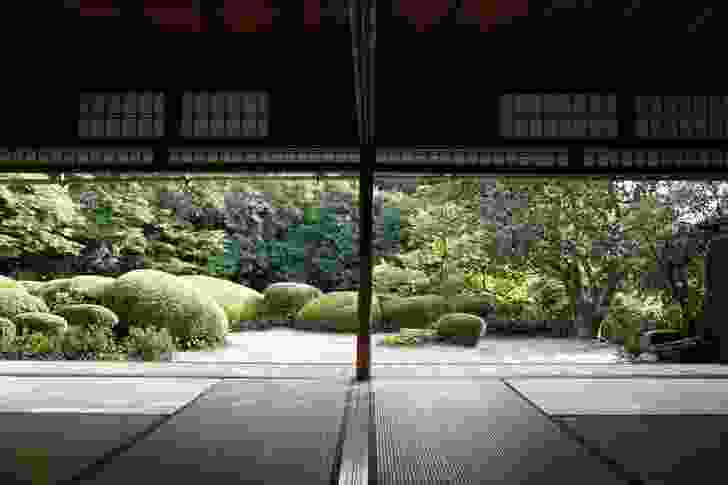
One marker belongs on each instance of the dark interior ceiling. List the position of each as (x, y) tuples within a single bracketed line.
[(433, 87)]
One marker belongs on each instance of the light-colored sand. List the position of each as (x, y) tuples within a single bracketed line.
[(285, 345)]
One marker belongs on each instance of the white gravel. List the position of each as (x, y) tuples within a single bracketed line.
[(286, 345)]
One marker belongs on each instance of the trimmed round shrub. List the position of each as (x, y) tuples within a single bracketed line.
[(6, 282), (282, 301), (7, 331), (49, 288), (151, 298), (88, 316), (79, 342), (336, 311), (32, 287), (621, 322), (459, 325), (14, 301), (90, 286), (150, 344), (672, 318), (35, 344), (237, 301), (474, 305), (415, 311), (240, 312), (45, 323)]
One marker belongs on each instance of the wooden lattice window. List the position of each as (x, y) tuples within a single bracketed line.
[(121, 115), (223, 114)]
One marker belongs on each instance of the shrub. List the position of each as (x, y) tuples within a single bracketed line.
[(458, 324), (672, 318), (149, 343), (35, 343), (620, 322), (78, 341), (632, 344), (401, 340), (512, 311), (67, 297), (7, 331)]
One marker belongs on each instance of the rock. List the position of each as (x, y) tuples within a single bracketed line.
[(647, 357), (247, 325), (653, 337), (687, 350)]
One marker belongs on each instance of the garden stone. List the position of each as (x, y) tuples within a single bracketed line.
[(647, 357), (687, 350), (247, 325), (653, 337)]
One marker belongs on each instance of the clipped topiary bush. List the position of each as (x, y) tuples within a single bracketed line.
[(14, 301), (46, 323), (7, 332), (88, 315), (459, 325), (150, 344), (6, 282), (79, 342)]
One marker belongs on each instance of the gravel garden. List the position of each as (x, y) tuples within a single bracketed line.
[(151, 315)]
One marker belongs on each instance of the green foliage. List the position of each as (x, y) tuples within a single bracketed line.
[(672, 316), (68, 297), (445, 248), (549, 297), (8, 282), (35, 343), (458, 324), (149, 343), (623, 320), (8, 331), (632, 344), (94, 340), (408, 337), (400, 340)]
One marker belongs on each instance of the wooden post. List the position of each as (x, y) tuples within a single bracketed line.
[(363, 354)]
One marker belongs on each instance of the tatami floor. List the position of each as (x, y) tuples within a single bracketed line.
[(86, 422)]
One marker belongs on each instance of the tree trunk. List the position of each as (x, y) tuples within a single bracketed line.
[(585, 314), (592, 303)]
